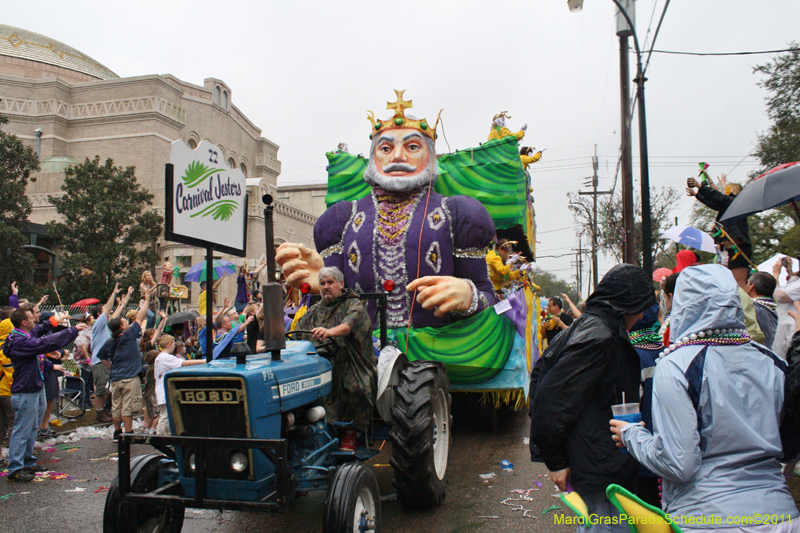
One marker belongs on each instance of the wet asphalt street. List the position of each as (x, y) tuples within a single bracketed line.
[(57, 505)]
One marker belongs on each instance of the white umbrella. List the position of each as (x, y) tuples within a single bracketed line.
[(692, 237)]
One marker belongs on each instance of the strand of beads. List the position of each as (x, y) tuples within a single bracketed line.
[(647, 339), (711, 337), (766, 301)]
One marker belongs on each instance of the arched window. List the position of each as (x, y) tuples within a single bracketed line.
[(192, 144), (244, 169), (231, 162), (224, 103), (217, 91)]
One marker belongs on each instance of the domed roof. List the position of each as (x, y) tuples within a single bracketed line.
[(57, 163), (24, 44)]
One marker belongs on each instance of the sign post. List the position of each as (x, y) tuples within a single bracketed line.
[(206, 206)]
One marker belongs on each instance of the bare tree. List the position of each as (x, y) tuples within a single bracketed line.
[(610, 233)]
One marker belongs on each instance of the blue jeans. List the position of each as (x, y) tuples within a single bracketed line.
[(150, 319), (29, 408), (599, 507), (239, 305)]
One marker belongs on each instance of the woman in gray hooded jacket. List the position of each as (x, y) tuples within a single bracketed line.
[(717, 401)]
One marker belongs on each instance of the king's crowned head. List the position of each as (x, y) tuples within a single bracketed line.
[(400, 120), (402, 156)]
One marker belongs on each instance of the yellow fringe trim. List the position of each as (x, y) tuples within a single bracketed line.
[(498, 398)]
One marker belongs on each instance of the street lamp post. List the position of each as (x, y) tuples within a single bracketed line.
[(647, 253)]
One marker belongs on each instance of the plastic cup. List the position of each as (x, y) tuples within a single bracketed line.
[(628, 412)]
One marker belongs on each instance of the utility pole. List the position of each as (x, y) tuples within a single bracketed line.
[(594, 193), (579, 266), (628, 253)]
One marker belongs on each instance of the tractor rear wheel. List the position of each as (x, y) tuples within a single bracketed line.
[(421, 434)]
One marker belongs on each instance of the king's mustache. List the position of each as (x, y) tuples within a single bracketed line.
[(399, 167)]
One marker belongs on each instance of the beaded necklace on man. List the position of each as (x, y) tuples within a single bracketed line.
[(766, 302), (646, 338)]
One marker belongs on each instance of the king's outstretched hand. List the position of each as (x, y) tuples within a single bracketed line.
[(300, 264), (442, 294)]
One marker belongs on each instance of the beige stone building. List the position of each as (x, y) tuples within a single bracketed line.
[(310, 198), (69, 107)]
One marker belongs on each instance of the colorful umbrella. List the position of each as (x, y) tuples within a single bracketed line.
[(773, 188), (691, 237), (222, 268), (86, 302), (660, 274)]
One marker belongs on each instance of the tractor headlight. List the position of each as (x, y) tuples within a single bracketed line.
[(238, 462), (192, 464)]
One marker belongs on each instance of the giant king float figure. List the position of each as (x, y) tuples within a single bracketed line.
[(430, 247)]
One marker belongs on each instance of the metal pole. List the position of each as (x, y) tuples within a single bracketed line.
[(594, 220), (209, 304), (580, 268), (647, 247), (594, 193), (272, 292), (647, 252), (626, 166)]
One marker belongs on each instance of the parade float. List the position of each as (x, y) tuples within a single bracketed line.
[(492, 352)]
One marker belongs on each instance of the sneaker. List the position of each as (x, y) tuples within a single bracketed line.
[(117, 433), (37, 468), (22, 476), (102, 417)]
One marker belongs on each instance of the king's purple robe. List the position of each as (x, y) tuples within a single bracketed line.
[(361, 238)]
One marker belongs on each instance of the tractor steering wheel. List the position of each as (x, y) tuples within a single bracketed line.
[(327, 348)]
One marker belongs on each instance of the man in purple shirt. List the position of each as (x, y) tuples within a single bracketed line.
[(24, 347)]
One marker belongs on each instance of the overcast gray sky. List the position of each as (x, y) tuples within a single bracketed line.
[(305, 72)]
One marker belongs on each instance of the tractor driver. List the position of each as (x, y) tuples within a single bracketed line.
[(342, 317)]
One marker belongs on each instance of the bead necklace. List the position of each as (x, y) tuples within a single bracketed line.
[(664, 326), (647, 338), (766, 301), (711, 337)]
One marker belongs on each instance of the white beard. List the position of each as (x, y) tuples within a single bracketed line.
[(398, 183)]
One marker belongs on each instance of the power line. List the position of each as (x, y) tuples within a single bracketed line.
[(725, 53), (658, 29), (552, 256), (559, 229)]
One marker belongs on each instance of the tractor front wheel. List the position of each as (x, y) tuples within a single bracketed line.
[(120, 516), (421, 434), (353, 504)]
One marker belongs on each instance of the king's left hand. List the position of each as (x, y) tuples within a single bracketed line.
[(442, 294)]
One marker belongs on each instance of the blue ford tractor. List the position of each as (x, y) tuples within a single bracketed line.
[(250, 433)]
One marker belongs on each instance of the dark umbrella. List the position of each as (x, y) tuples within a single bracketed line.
[(773, 188), (183, 316)]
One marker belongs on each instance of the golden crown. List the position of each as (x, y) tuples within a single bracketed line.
[(400, 120)]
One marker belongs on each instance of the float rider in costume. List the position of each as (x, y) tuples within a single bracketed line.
[(501, 263), (529, 155), (499, 130), (431, 247)]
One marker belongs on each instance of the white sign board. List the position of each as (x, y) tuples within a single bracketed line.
[(206, 200)]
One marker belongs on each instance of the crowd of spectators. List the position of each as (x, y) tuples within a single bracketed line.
[(707, 361), (120, 354)]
